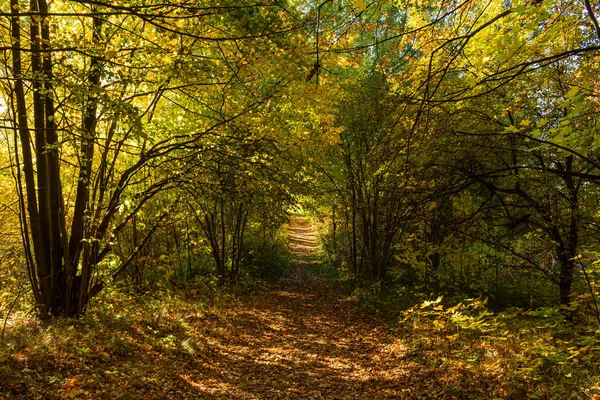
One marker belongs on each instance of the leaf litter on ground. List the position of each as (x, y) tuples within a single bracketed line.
[(303, 339)]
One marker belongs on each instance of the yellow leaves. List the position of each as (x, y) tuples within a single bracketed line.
[(438, 324), (512, 129), (72, 393), (332, 139), (492, 364), (428, 303), (471, 81), (416, 20), (574, 91), (360, 4)]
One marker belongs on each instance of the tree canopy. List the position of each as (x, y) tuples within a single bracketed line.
[(432, 132)]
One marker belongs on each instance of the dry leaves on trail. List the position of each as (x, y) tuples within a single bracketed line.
[(303, 340)]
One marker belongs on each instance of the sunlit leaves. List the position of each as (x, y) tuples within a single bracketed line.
[(361, 5)]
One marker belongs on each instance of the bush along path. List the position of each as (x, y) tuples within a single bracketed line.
[(301, 340)]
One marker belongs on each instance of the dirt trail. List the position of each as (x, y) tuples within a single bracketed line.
[(302, 340)]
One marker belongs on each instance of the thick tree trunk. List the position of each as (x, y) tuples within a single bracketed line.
[(568, 253), (46, 271), (567, 267), (32, 219)]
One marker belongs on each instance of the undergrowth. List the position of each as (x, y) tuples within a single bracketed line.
[(125, 344), (535, 354)]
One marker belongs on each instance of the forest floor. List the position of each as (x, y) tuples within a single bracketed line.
[(302, 339)]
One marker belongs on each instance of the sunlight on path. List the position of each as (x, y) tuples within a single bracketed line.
[(303, 244), (303, 241), (302, 340)]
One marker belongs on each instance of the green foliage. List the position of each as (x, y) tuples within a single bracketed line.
[(538, 353), (266, 262), (377, 300), (330, 266)]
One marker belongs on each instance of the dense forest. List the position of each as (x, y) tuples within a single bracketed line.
[(431, 169)]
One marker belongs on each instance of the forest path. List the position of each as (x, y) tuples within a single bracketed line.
[(303, 340)]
